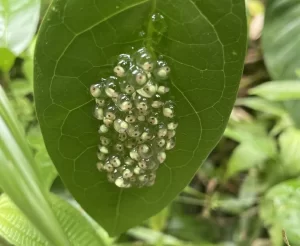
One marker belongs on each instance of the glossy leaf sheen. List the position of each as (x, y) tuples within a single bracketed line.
[(18, 23), (205, 47)]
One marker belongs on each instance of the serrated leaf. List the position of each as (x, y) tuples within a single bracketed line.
[(205, 47), (15, 227), (18, 23)]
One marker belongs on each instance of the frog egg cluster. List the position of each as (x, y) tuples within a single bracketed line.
[(138, 121)]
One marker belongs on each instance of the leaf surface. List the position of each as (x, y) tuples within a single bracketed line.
[(17, 229), (18, 23), (205, 47), (281, 42)]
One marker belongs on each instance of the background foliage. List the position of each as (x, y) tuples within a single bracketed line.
[(245, 193)]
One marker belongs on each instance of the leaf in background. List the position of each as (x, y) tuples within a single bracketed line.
[(18, 23), (281, 38), (250, 154), (205, 47), (289, 142), (281, 42), (159, 221), (278, 90), (280, 210), (262, 105), (7, 58), (16, 228), (20, 176), (35, 140)]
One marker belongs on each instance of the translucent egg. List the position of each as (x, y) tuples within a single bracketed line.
[(103, 129), (110, 177), (169, 109), (161, 157), (137, 77), (100, 102), (171, 134), (151, 176), (126, 88), (143, 178), (142, 103), (134, 154), (121, 183), (154, 119), (145, 151), (130, 143), (98, 113), (142, 164), (137, 170), (111, 87), (105, 141), (144, 59), (162, 130), (108, 167), (163, 89), (120, 126), (127, 173), (119, 147), (108, 122), (103, 149), (159, 143), (100, 166), (134, 130), (101, 156), (162, 71), (148, 90), (123, 65), (152, 163), (124, 102), (130, 118), (170, 144), (157, 101), (172, 124), (150, 183), (111, 112), (128, 161), (115, 161), (98, 90), (122, 136), (148, 134)]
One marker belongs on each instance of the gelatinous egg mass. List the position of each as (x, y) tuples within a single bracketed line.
[(137, 119)]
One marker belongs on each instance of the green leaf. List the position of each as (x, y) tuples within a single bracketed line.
[(18, 23), (205, 47), (280, 38), (280, 210), (20, 177), (281, 44), (278, 90), (248, 155), (289, 142), (159, 221), (7, 59), (16, 228), (262, 105)]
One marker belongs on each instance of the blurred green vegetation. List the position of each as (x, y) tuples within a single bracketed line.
[(246, 192)]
